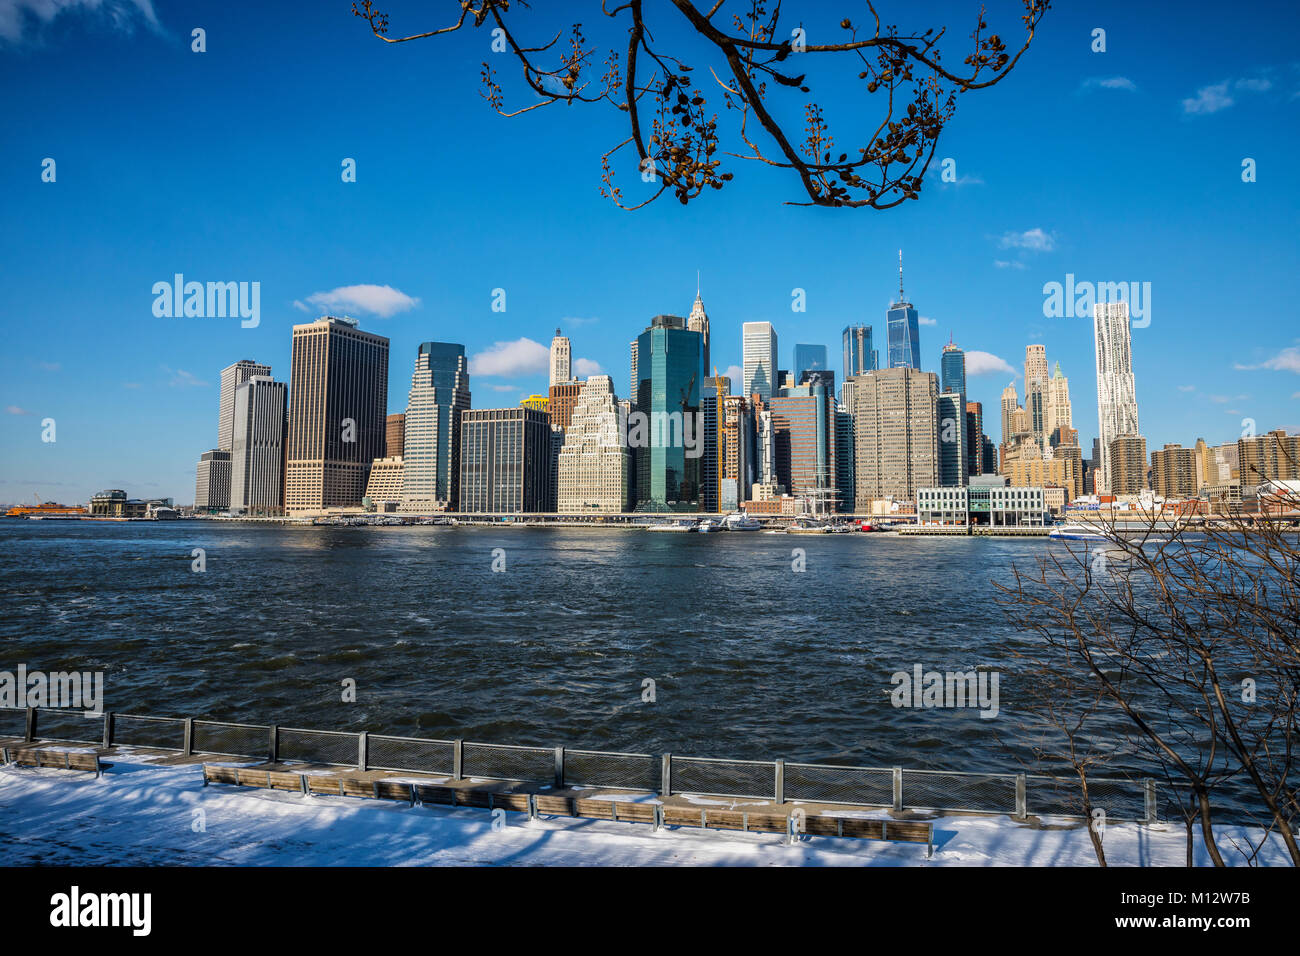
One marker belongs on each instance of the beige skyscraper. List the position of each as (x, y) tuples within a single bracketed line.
[(896, 434), (593, 465), (1059, 413), (1173, 472), (561, 359), (1010, 402), (337, 401)]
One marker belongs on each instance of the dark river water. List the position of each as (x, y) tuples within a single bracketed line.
[(750, 659)]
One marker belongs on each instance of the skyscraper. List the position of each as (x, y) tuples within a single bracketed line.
[(809, 358), (1010, 402), (394, 435), (1117, 412), (505, 460), (975, 438), (859, 356), (902, 328), (897, 434), (803, 425), (257, 455), (431, 443), (758, 347), (1037, 397), (668, 447), (952, 371), (233, 376), (953, 449), (593, 464), (337, 392), (698, 321), (561, 359)]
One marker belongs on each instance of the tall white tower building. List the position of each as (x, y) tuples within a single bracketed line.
[(698, 321), (561, 359), (758, 344), (1117, 411)]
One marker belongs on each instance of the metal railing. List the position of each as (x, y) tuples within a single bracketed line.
[(894, 788)]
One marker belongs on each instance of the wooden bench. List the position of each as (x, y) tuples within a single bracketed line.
[(54, 759), (549, 804)]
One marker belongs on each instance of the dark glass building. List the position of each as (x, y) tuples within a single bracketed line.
[(809, 358), (860, 357), (666, 431)]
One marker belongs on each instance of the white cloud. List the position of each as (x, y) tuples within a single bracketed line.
[(1295, 394), (1110, 83), (575, 321), (1256, 84), (15, 15), (583, 367), (1288, 360), (986, 363), (1209, 99), (926, 320), (1035, 240), (1009, 264), (47, 366), (183, 379), (15, 410), (1186, 388), (1218, 96), (381, 300), (737, 376), (502, 388), (511, 359)]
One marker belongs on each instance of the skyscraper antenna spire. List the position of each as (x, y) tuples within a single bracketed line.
[(697, 283), (900, 276)]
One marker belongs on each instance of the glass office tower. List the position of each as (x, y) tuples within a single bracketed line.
[(667, 436), (902, 329), (860, 357), (809, 358)]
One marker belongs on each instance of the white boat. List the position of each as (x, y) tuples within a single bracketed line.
[(1075, 532), (739, 521), (672, 526), (710, 524)]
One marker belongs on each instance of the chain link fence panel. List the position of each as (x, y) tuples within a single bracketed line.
[(821, 783), (410, 753), (944, 790), (593, 768), (164, 733), (231, 740), (724, 778), (501, 762), (318, 746)]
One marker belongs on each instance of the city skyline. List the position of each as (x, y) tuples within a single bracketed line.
[(980, 248)]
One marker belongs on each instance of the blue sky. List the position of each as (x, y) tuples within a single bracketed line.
[(225, 166)]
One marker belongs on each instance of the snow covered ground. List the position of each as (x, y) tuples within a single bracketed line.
[(143, 813)]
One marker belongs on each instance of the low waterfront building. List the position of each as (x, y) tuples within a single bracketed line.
[(384, 487), (211, 482), (986, 501), (114, 503)]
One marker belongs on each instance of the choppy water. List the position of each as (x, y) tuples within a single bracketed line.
[(750, 659)]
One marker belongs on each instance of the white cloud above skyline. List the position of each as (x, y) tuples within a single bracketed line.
[(379, 300), (986, 363)]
